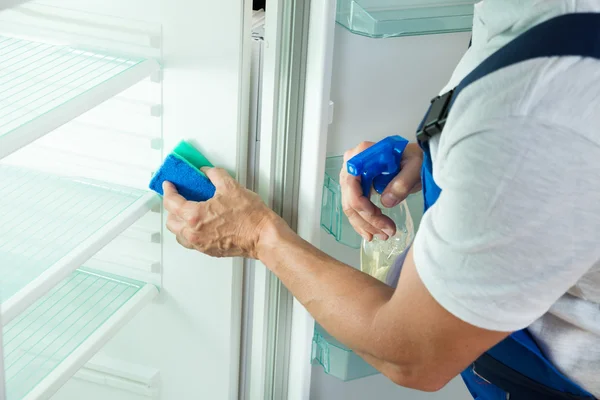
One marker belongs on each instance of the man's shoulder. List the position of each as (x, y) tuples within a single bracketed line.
[(562, 92)]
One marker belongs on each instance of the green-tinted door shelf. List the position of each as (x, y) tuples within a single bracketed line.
[(333, 219), (338, 360), (390, 18)]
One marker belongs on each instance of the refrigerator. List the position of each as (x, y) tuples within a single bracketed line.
[(97, 299)]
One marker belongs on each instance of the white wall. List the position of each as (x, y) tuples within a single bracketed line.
[(382, 87)]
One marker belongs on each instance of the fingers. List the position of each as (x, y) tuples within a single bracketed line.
[(183, 242), (177, 226), (175, 204), (375, 225), (402, 185), (364, 217), (408, 179), (352, 195), (172, 200), (219, 177)]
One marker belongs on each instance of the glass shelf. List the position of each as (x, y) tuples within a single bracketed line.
[(51, 225), (43, 86), (52, 338), (336, 359), (390, 18)]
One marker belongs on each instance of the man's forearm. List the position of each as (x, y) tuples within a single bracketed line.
[(343, 300), (393, 331)]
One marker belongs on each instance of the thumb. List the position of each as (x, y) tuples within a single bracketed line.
[(219, 177), (402, 185)]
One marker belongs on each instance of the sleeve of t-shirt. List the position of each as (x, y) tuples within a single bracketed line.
[(515, 225)]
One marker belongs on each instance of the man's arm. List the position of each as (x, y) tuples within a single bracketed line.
[(404, 333), (508, 236)]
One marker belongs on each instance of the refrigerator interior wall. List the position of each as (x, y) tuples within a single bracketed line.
[(382, 87), (187, 342)]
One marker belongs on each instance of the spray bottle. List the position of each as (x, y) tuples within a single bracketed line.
[(377, 166)]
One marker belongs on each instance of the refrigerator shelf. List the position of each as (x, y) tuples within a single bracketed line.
[(56, 335), (43, 86), (391, 18), (51, 225), (336, 359)]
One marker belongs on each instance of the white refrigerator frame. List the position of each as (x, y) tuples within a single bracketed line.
[(316, 112)]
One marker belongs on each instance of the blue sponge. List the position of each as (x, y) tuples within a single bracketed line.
[(189, 181)]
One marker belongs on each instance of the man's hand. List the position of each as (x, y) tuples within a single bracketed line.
[(228, 225), (364, 216)]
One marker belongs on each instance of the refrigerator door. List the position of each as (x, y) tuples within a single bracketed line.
[(365, 80)]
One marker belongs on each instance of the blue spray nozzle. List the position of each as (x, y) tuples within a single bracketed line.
[(378, 164)]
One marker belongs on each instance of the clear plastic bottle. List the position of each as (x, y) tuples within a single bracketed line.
[(377, 166), (377, 256)]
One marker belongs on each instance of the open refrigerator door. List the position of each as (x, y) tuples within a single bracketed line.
[(367, 78)]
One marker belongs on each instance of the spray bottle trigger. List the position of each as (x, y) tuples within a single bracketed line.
[(378, 164)]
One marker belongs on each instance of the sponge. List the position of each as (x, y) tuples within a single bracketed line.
[(182, 168)]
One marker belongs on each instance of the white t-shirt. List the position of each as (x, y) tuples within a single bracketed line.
[(514, 239)]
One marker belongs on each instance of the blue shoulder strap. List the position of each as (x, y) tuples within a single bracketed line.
[(516, 366)]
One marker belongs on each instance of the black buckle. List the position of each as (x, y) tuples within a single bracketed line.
[(436, 117)]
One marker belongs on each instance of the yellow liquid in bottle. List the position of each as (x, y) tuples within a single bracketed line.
[(378, 256)]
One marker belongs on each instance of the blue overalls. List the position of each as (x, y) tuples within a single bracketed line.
[(515, 369)]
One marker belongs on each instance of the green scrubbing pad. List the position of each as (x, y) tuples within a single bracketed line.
[(191, 155)]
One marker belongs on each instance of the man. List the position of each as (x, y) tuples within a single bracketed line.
[(510, 244)]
